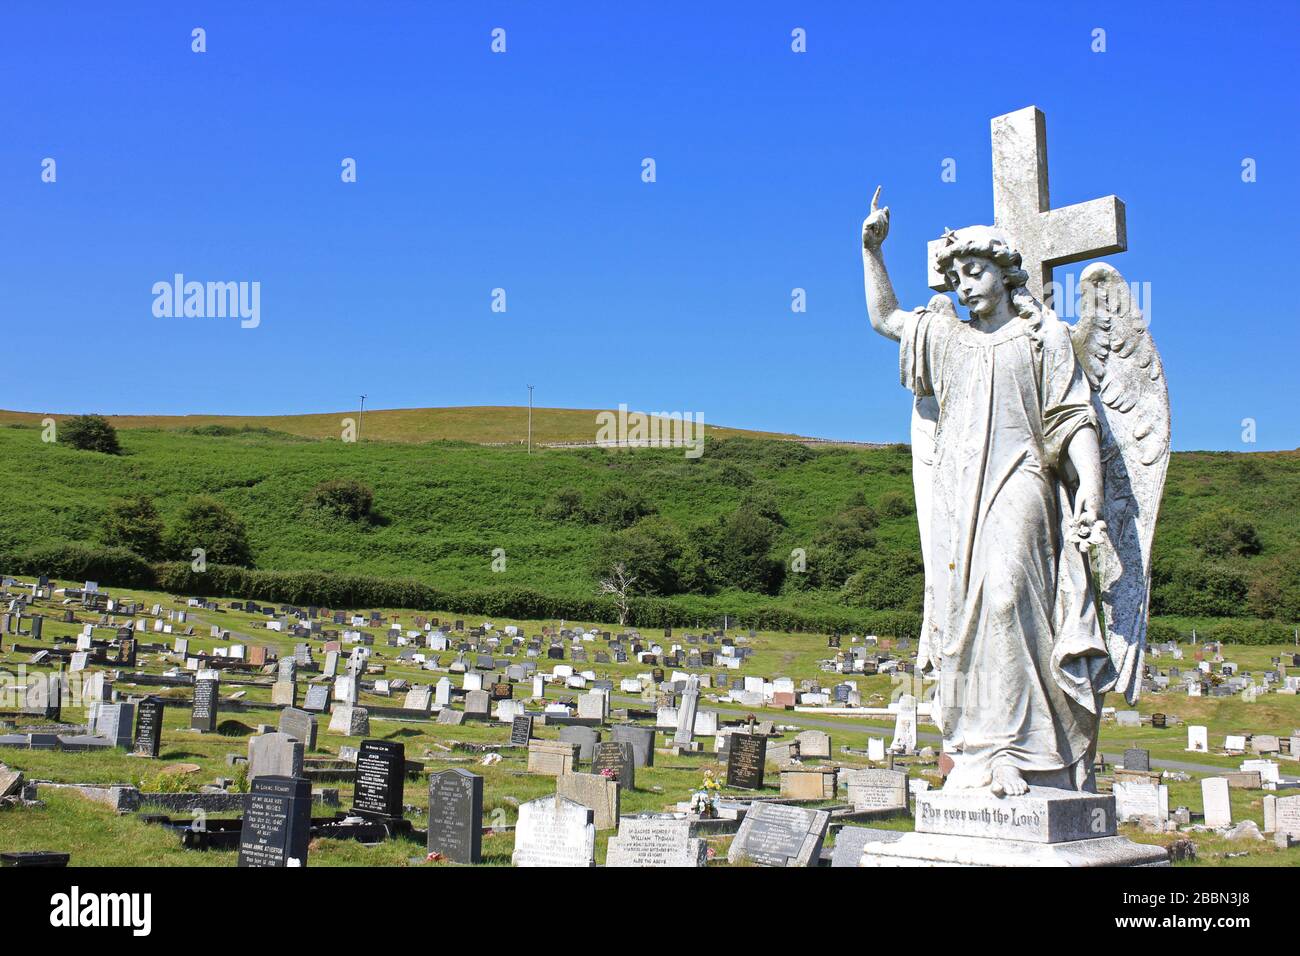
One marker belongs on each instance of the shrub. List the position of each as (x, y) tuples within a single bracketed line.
[(208, 524), (89, 433), (343, 499), (616, 506), (79, 562), (888, 581), (895, 504), (133, 523), (562, 505), (1224, 533)]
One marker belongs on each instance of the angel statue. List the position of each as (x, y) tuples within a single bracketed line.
[(1039, 454)]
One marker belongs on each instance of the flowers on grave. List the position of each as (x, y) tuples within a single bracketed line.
[(609, 773), (704, 801)]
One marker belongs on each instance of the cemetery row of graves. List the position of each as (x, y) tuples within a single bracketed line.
[(143, 729)]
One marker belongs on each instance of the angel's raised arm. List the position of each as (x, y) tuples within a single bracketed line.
[(882, 304)]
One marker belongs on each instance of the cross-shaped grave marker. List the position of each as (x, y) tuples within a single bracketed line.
[(1043, 236)]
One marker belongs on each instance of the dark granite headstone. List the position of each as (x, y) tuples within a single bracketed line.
[(277, 822), (1137, 759), (617, 758), (1159, 721), (381, 769), (745, 761), (521, 730), (206, 704), (148, 727), (456, 815)]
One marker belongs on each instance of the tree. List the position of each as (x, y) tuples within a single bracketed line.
[(341, 498), (619, 584), (650, 550), (735, 552), (134, 523), (89, 433), (208, 524), (1224, 533)]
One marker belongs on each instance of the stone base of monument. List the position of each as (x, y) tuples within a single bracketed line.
[(1044, 827)]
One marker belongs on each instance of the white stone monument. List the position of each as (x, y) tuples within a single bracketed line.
[(1037, 503)]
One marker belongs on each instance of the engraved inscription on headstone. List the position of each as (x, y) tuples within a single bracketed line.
[(381, 769), (456, 815), (277, 822), (745, 761)]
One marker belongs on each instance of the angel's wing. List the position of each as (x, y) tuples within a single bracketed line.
[(1131, 399)]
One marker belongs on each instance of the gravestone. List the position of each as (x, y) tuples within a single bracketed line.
[(317, 700), (277, 822), (685, 732), (655, 841), (1214, 796), (552, 758), (642, 740), (299, 725), (554, 832), (814, 744), (599, 793), (381, 770), (456, 815), (349, 720), (1198, 739), (419, 699), (850, 842), (1137, 759), (116, 721), (905, 726), (478, 705), (148, 727), (203, 717), (1140, 801), (877, 789), (1286, 816), (521, 730), (774, 834), (274, 755), (585, 737), (616, 758), (745, 761)]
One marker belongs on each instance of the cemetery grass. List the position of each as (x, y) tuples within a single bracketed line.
[(97, 836)]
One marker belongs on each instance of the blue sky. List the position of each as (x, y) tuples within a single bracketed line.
[(522, 171)]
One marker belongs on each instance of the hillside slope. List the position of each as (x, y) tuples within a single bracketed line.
[(1226, 545), (482, 424)]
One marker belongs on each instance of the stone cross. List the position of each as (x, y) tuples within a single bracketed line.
[(1044, 237)]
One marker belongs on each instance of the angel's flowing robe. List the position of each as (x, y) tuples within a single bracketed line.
[(1012, 627)]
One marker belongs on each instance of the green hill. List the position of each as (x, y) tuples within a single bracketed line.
[(707, 536)]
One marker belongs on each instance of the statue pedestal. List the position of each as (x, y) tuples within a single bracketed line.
[(1044, 827)]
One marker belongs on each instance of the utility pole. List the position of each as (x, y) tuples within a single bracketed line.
[(361, 417), (530, 419)]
